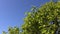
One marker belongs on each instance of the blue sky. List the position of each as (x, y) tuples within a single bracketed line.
[(12, 12)]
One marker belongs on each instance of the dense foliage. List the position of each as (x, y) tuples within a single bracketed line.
[(11, 30), (43, 20)]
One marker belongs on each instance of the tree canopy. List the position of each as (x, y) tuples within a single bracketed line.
[(42, 20), (12, 30)]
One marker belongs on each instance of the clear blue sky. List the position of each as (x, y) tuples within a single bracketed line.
[(12, 11)]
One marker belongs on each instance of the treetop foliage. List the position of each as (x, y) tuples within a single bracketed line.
[(42, 20)]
